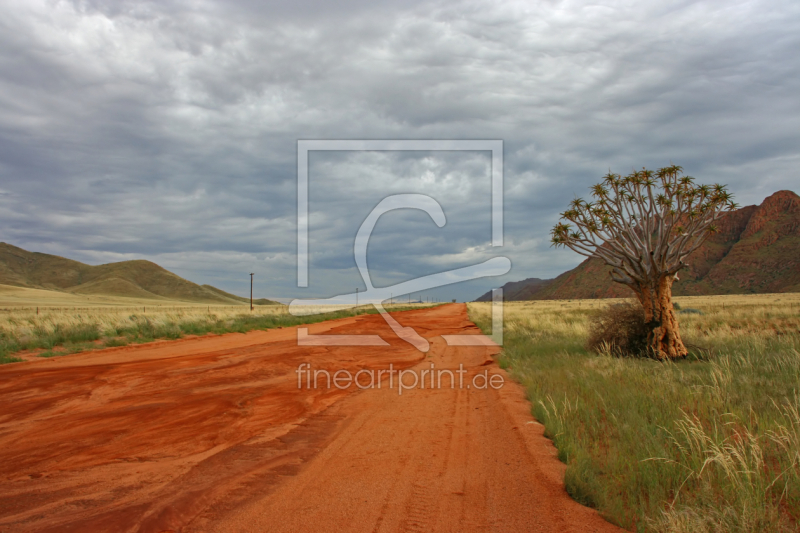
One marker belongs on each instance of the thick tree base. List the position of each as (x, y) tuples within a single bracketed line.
[(664, 341)]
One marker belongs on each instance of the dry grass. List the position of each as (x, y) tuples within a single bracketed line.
[(722, 319), (59, 331), (710, 444)]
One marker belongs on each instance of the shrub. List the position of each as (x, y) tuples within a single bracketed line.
[(619, 329)]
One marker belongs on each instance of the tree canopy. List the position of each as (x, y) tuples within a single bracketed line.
[(644, 224)]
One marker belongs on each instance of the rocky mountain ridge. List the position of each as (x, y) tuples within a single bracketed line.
[(756, 250)]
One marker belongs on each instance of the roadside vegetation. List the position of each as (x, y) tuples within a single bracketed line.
[(710, 443), (61, 332)]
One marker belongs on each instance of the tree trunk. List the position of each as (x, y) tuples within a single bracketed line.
[(664, 339)]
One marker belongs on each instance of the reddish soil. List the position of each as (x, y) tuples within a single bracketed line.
[(213, 434)]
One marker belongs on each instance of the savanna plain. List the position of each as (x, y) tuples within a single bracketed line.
[(710, 443)]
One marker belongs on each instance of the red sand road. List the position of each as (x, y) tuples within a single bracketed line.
[(212, 434)]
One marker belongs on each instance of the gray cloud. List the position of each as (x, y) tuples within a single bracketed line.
[(167, 130)]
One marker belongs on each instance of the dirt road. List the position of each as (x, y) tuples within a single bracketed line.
[(213, 434)]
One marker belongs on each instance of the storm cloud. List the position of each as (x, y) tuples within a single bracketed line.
[(168, 130)]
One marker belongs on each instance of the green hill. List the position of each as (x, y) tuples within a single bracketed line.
[(133, 279)]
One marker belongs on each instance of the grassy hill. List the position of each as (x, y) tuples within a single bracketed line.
[(130, 279), (757, 250)]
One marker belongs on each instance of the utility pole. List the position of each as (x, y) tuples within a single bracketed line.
[(356, 298), (251, 290)]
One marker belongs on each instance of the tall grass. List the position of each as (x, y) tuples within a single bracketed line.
[(704, 445), (62, 332)]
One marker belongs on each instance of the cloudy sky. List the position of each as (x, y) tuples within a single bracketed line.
[(168, 130)]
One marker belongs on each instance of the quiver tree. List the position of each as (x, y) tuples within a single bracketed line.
[(643, 226)]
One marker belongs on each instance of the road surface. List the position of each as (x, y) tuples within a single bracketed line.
[(213, 434)]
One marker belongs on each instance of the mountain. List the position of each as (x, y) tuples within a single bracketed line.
[(757, 250), (136, 279), (519, 290)]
